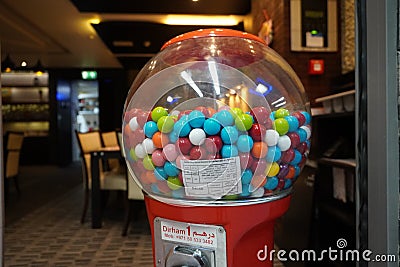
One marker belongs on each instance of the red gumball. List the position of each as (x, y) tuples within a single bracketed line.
[(213, 144), (197, 152), (203, 110), (294, 139), (302, 147), (257, 132), (300, 117), (184, 145), (260, 115), (246, 160), (287, 156)]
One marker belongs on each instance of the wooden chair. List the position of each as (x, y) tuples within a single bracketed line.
[(110, 179), (12, 152), (110, 139), (135, 193)]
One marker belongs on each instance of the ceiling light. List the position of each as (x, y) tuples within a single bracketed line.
[(38, 68), (7, 65), (203, 20), (122, 43), (23, 63), (94, 21)]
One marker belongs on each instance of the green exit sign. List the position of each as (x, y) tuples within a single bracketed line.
[(89, 75)]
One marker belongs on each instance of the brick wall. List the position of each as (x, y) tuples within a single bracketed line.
[(315, 85)]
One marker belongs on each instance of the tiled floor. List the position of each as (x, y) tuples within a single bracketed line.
[(43, 227)]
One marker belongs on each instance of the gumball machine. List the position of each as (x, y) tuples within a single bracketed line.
[(217, 129)]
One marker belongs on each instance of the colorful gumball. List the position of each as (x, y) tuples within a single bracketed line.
[(212, 126), (229, 151), (170, 152), (257, 132), (184, 145), (171, 169), (259, 150), (160, 139), (133, 124), (197, 136), (150, 128), (281, 113), (157, 113), (243, 122), (247, 175), (224, 117), (174, 183), (196, 119), (246, 160), (244, 143), (271, 137), (197, 152), (165, 124), (260, 115), (229, 135), (158, 158), (148, 145), (284, 143), (148, 163), (281, 126)]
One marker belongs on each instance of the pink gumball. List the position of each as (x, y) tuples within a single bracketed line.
[(179, 160), (170, 152), (158, 158), (142, 118)]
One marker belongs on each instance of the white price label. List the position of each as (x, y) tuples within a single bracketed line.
[(187, 233), (212, 178)]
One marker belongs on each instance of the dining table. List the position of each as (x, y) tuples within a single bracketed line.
[(97, 156)]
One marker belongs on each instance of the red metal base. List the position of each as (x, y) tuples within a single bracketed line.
[(249, 228)]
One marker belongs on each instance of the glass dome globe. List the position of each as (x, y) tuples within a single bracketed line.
[(216, 117)]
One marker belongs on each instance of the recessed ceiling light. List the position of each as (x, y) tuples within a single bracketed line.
[(146, 43), (230, 20), (23, 64), (122, 43)]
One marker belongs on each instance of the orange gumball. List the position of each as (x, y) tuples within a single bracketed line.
[(151, 178), (259, 150), (160, 139), (211, 111), (291, 172), (258, 181)]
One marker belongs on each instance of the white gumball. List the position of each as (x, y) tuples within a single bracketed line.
[(271, 137), (284, 143), (139, 151), (308, 131), (148, 146), (197, 136), (133, 124)]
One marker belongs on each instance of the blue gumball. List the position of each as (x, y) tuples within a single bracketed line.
[(272, 183), (155, 188), (302, 135), (224, 117), (150, 128), (196, 119), (245, 190), (170, 169), (288, 183), (229, 151), (307, 116), (212, 126), (173, 137), (182, 126), (160, 173), (247, 175), (179, 193), (244, 143), (229, 135), (297, 157), (293, 123)]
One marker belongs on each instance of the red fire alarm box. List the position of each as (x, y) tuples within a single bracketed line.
[(316, 66)]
